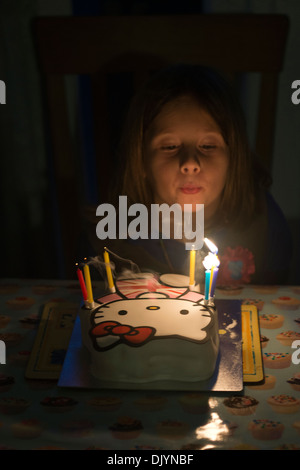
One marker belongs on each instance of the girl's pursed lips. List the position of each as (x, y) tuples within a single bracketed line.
[(190, 189)]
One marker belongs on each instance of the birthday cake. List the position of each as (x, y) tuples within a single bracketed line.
[(152, 328)]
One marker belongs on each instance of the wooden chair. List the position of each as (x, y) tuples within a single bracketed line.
[(99, 47)]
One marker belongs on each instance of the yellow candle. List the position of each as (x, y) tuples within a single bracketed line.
[(108, 272), (192, 267), (88, 283)]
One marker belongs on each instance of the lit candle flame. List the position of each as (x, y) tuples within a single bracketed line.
[(211, 246), (211, 261)]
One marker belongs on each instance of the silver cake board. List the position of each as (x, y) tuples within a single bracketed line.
[(228, 375)]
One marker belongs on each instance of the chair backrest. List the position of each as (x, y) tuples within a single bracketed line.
[(99, 48)]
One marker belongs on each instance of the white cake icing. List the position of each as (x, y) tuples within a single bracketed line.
[(148, 332)]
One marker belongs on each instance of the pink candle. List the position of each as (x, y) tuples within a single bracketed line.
[(82, 284)]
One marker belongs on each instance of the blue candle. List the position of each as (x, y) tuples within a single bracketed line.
[(207, 284), (211, 263)]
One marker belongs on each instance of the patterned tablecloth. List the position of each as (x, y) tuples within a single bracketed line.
[(37, 414)]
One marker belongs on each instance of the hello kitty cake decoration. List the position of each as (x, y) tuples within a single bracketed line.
[(151, 328), (153, 316)]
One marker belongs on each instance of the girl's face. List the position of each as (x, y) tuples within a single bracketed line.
[(187, 156)]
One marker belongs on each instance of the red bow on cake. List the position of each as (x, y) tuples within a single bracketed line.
[(133, 336)]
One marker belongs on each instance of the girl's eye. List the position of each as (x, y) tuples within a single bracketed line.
[(208, 147), (170, 147)]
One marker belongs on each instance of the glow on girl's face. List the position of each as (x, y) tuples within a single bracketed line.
[(187, 156)]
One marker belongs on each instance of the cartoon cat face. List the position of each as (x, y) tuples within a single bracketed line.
[(136, 321)]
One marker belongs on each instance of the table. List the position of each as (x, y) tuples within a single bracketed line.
[(26, 422)]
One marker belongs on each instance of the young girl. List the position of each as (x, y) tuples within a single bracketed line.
[(185, 142)]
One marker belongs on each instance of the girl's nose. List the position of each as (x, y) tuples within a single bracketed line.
[(190, 166)]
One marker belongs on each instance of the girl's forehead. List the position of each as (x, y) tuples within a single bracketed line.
[(179, 110), (183, 101)]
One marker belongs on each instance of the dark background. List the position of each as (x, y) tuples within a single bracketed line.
[(29, 241)]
